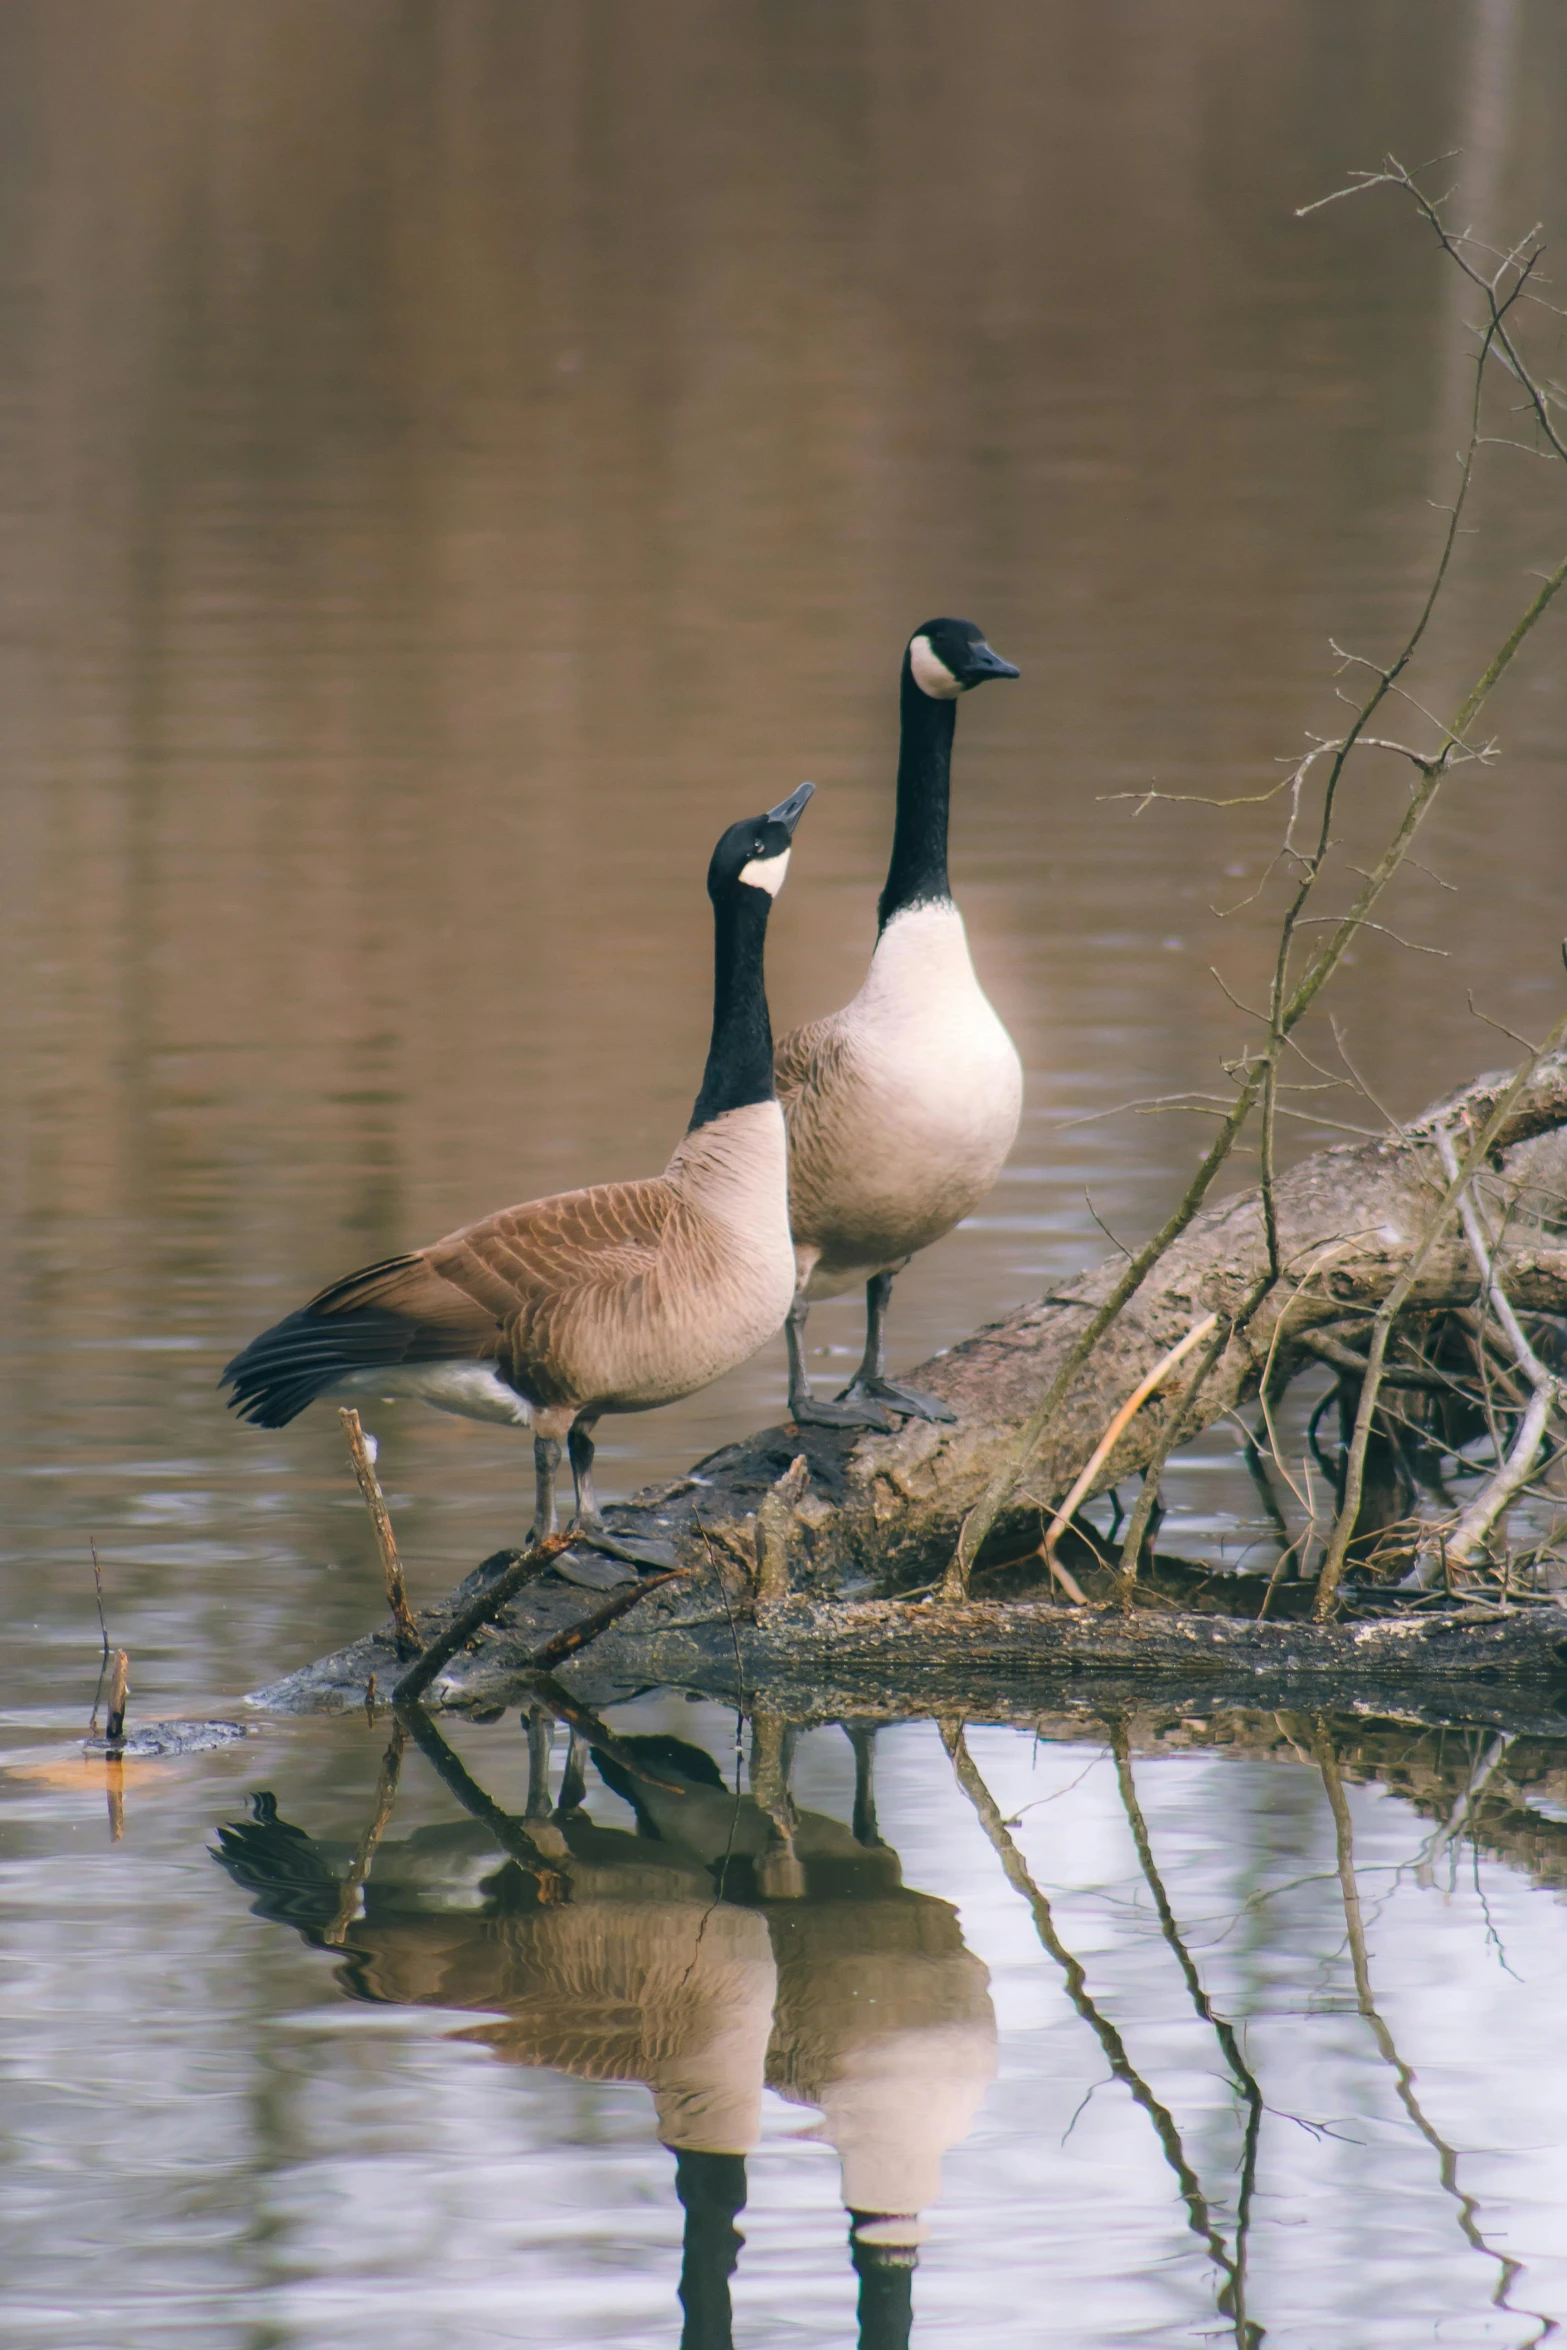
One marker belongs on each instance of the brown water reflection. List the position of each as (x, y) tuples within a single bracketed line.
[(715, 1951), (455, 455)]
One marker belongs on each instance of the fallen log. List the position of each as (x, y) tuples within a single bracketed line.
[(788, 1535)]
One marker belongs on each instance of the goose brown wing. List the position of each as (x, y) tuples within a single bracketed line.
[(398, 1312), (537, 1268), (590, 1239), (494, 1291)]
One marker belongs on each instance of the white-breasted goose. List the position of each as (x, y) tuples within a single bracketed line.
[(902, 1107), (613, 1299)]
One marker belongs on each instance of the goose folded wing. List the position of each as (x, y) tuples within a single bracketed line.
[(488, 1292), (524, 1259), (401, 1311)]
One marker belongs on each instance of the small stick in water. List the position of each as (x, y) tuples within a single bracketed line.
[(119, 1690), (408, 1641), (103, 1667)]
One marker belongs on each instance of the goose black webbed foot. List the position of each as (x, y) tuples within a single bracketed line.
[(853, 1409), (635, 1550), (913, 1402), (589, 1529)]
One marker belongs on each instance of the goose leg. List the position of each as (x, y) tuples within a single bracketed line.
[(870, 1381), (638, 1550), (574, 1778), (804, 1408), (546, 1460), (712, 2189), (541, 1731), (862, 1739)]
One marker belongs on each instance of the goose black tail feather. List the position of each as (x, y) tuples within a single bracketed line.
[(299, 1358)]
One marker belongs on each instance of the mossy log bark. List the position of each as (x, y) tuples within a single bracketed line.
[(770, 1545)]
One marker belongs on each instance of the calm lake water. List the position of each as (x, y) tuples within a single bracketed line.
[(457, 457)]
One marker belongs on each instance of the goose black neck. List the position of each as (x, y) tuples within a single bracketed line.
[(917, 874), (740, 1057)]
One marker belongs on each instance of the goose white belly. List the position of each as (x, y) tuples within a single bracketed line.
[(474, 1391), (915, 1111)]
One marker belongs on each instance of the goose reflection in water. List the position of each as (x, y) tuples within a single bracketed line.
[(730, 1943)]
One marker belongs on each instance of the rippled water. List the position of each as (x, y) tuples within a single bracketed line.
[(456, 458), (1161, 2095)]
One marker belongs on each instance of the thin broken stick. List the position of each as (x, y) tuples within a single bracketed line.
[(1465, 1540), (119, 1691), (526, 1567), (1108, 1442), (408, 1641), (575, 1636)]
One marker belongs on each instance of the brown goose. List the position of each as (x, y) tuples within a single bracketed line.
[(613, 1299), (902, 1107)]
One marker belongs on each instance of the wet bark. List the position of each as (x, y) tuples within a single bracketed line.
[(773, 1545)]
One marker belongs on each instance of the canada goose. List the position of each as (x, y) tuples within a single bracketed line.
[(901, 1107), (613, 1299)]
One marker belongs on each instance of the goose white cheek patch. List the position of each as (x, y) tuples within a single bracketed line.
[(931, 673), (767, 872)]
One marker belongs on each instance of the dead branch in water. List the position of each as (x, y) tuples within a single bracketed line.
[(525, 1567), (385, 1539), (1294, 991)]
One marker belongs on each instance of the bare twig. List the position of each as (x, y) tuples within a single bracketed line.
[(524, 1569), (97, 1579), (1392, 1306), (1170, 1435), (103, 1662), (1329, 1349), (1515, 1469), (1119, 1421), (575, 1636), (1292, 994), (386, 1541)]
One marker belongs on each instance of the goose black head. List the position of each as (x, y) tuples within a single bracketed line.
[(755, 854), (950, 657)]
